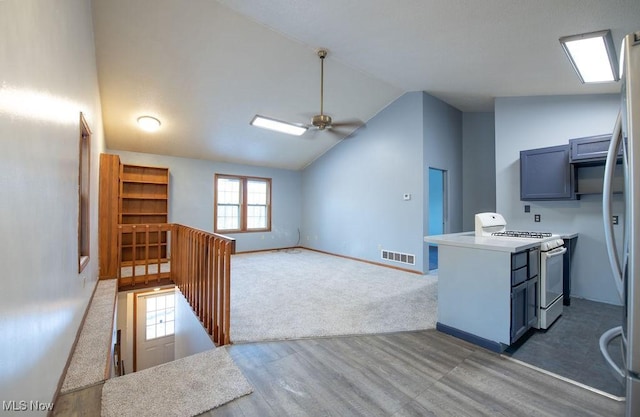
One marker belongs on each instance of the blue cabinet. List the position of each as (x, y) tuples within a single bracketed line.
[(590, 150), (533, 302), (546, 174), (524, 292), (519, 311)]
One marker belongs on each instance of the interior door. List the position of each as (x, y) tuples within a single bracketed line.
[(437, 210), (155, 327)]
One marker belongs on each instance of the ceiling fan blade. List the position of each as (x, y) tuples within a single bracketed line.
[(338, 134), (351, 123), (344, 133)]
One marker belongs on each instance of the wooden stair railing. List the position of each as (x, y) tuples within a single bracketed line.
[(146, 247), (199, 265), (201, 268)]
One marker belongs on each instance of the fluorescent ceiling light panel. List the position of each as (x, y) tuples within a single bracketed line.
[(592, 55), (278, 126)]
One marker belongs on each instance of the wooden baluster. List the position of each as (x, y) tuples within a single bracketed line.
[(209, 288), (134, 252), (160, 251), (192, 266), (146, 254), (216, 290), (119, 272), (196, 247), (227, 293), (200, 273), (171, 252)]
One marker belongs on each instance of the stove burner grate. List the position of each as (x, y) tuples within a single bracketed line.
[(515, 233)]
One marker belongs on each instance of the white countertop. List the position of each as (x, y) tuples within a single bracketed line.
[(503, 244)]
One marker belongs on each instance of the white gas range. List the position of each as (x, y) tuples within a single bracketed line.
[(493, 225)]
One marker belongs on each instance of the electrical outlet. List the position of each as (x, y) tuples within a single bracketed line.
[(614, 219), (536, 218)]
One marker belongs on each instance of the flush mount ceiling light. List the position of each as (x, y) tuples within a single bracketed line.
[(278, 126), (592, 55), (148, 123)]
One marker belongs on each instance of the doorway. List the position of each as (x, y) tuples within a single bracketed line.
[(437, 210), (155, 328)]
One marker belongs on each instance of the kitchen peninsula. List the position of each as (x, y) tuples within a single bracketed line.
[(487, 287)]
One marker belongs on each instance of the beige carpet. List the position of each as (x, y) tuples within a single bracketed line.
[(303, 293), (182, 388), (91, 355)]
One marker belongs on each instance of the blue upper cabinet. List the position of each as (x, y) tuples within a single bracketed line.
[(546, 174), (590, 150)]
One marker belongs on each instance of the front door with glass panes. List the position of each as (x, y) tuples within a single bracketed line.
[(155, 327)]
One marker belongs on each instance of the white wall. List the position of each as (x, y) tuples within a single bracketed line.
[(47, 77), (125, 325), (191, 337), (535, 122)]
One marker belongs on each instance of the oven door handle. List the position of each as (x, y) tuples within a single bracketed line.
[(555, 252)]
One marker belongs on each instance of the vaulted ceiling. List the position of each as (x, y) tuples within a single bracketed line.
[(206, 67)]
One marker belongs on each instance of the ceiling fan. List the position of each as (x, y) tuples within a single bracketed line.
[(323, 121), (320, 121)]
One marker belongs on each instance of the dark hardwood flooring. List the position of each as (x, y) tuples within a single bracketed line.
[(424, 373)]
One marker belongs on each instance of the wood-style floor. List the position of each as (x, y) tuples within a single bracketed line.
[(424, 373)]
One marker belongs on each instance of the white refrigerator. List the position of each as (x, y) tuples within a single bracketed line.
[(625, 261)]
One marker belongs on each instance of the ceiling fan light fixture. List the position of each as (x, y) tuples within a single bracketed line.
[(593, 56), (148, 123), (278, 125)]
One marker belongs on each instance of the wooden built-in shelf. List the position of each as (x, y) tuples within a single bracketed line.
[(131, 194), (144, 197), (151, 261), (142, 245), (145, 214), (140, 173), (150, 181)]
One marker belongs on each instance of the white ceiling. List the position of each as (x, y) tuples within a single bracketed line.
[(206, 67)]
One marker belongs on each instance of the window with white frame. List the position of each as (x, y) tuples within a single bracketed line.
[(242, 204), (161, 315)]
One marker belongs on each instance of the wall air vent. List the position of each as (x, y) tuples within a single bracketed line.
[(403, 258)]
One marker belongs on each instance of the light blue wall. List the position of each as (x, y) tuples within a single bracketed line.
[(442, 136), (478, 166), (353, 195), (191, 197), (535, 122), (47, 77)]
